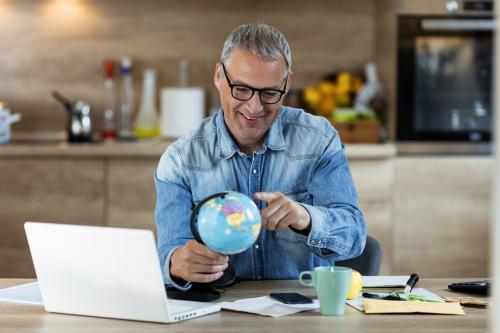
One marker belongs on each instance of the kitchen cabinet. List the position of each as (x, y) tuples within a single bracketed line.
[(44, 189), (442, 215), (374, 180), (103, 185), (131, 194), (106, 192)]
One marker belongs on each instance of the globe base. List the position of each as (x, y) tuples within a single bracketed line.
[(199, 292), (204, 292)]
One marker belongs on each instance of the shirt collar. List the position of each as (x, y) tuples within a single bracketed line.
[(274, 140)]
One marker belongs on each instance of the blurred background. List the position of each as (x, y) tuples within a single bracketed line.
[(407, 84)]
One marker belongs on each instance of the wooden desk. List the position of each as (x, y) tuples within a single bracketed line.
[(29, 318)]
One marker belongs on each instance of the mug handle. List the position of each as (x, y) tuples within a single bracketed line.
[(305, 283)]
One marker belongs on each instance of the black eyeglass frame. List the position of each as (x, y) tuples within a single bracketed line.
[(259, 90)]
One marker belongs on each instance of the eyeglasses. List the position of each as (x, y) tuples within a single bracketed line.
[(244, 93)]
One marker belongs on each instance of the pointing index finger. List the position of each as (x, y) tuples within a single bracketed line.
[(267, 196)]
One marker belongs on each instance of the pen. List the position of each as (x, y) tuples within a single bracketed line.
[(390, 297), (412, 281)]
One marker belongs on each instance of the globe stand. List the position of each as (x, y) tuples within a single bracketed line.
[(199, 292), (204, 292)]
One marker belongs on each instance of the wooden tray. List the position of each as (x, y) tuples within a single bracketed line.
[(361, 131)]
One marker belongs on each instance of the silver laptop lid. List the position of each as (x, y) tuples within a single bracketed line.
[(98, 271)]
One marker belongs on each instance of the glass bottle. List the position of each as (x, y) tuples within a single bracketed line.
[(146, 124), (127, 100), (109, 114)]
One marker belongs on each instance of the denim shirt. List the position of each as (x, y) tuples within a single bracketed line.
[(301, 156)]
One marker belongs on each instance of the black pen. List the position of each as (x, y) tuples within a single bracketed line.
[(391, 297), (412, 281)]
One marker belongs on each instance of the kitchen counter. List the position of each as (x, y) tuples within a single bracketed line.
[(444, 148), (144, 149), (150, 150)]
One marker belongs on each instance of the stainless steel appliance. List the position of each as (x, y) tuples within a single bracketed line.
[(445, 52), (79, 122)]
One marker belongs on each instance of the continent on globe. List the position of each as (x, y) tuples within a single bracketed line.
[(229, 223)]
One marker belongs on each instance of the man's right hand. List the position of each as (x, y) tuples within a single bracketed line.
[(194, 262)]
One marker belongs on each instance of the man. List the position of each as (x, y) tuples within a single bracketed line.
[(290, 162)]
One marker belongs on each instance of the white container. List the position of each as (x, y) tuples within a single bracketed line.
[(6, 119), (182, 109)]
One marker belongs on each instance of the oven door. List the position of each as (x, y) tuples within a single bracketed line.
[(445, 79)]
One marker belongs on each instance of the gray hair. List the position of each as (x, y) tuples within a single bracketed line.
[(262, 40)]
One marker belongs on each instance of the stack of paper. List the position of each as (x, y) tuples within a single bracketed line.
[(384, 282), (266, 306)]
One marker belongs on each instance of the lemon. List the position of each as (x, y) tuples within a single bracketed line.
[(327, 88), (312, 96), (356, 285), (344, 82)]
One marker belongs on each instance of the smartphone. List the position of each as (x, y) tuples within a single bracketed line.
[(291, 298)]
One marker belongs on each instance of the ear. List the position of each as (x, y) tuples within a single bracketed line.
[(290, 80), (217, 76)]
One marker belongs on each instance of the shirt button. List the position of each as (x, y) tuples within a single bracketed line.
[(256, 246), (254, 171)]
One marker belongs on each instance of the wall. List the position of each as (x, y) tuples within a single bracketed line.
[(60, 44), (385, 57)]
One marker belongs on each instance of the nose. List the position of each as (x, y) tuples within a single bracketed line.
[(254, 104)]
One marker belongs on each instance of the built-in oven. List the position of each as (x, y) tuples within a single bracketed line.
[(445, 60)]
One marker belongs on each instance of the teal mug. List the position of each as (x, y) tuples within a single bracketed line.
[(332, 284)]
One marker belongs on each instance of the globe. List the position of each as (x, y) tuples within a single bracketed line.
[(228, 222)]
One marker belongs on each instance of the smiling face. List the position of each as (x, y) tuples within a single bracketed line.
[(248, 121)]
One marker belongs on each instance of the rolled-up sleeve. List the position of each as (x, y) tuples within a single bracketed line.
[(338, 229), (172, 211)]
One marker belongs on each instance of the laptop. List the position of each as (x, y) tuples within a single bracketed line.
[(104, 272)]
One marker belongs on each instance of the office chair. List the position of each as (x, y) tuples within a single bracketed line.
[(368, 263)]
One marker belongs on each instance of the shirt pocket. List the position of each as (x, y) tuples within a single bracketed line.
[(207, 183), (288, 235)]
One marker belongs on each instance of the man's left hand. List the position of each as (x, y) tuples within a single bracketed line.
[(282, 212)]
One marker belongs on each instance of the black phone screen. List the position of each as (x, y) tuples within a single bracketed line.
[(291, 298)]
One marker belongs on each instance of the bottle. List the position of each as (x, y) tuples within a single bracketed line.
[(146, 124), (127, 101), (371, 89), (6, 119), (109, 114)]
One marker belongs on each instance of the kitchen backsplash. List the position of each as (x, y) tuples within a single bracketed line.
[(61, 44)]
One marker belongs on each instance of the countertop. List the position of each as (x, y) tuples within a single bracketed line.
[(149, 149), (33, 318)]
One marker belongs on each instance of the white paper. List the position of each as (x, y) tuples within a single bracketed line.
[(357, 303), (267, 306), (385, 281), (28, 293)]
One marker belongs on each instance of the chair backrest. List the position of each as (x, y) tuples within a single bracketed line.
[(368, 263)]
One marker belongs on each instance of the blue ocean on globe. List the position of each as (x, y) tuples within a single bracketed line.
[(229, 224)]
